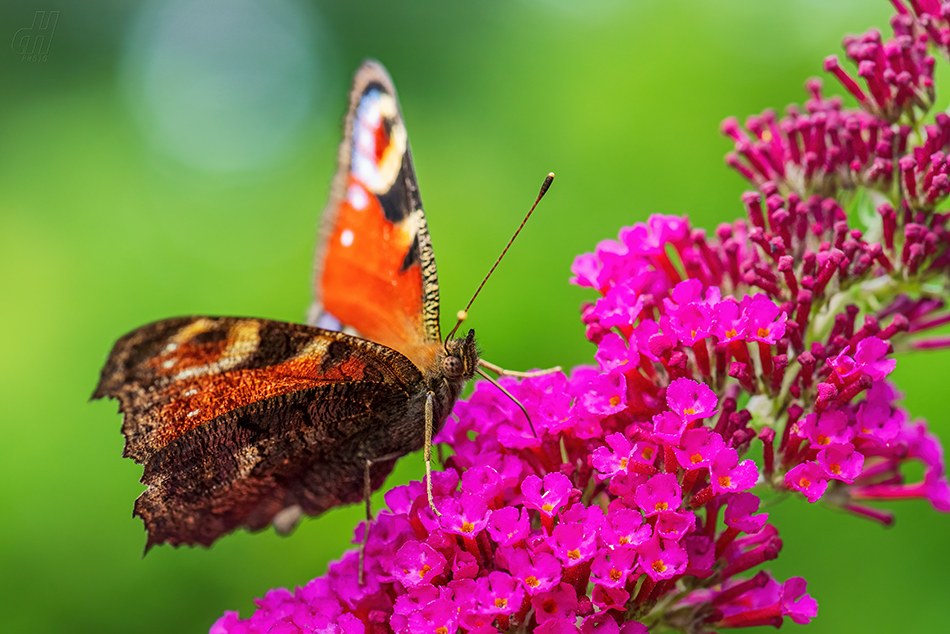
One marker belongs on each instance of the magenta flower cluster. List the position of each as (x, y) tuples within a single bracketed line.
[(730, 367), (586, 529), (828, 147), (820, 404)]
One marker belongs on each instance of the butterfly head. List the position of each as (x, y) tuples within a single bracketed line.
[(460, 358)]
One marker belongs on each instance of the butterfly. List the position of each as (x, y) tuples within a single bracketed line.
[(243, 422)]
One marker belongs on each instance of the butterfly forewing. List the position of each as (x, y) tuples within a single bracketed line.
[(375, 271)]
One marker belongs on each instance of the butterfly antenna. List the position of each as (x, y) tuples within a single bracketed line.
[(463, 314)]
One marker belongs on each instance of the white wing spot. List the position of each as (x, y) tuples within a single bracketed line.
[(346, 238), (193, 412), (190, 392), (356, 196), (169, 363)]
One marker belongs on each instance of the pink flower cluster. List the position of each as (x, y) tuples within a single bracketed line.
[(827, 147), (821, 149), (818, 383), (730, 367), (583, 530)]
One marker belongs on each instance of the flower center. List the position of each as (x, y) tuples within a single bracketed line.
[(661, 506), (615, 575), (425, 568), (659, 566), (725, 482), (532, 581), (763, 332), (467, 527), (696, 458), (614, 400), (623, 463), (574, 554), (501, 603)]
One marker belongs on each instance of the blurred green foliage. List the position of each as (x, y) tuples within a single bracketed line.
[(101, 232)]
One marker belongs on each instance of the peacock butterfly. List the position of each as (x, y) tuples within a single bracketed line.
[(243, 422)]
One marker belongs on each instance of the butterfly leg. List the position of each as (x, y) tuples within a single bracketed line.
[(500, 371), (427, 451)]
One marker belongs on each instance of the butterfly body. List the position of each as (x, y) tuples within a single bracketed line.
[(245, 422)]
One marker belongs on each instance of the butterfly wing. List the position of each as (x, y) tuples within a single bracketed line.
[(375, 271), (242, 422)]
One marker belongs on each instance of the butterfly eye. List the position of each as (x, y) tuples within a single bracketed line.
[(451, 366)]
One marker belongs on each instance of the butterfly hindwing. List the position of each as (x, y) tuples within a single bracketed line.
[(375, 270), (240, 420)]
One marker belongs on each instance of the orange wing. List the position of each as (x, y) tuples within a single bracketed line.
[(375, 270)]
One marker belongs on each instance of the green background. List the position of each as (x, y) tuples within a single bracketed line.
[(102, 230)]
